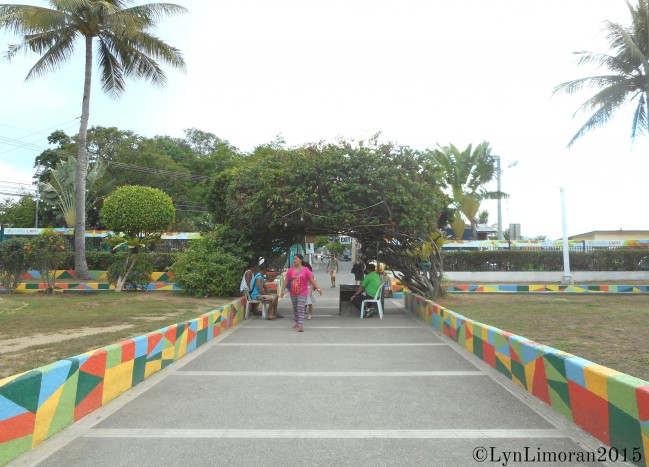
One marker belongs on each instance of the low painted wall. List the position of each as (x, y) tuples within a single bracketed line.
[(38, 404), (546, 288), (612, 406), (98, 282), (544, 276)]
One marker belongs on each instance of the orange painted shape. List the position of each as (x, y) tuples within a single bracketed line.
[(128, 350), (96, 364), (488, 354), (91, 403), (642, 396), (17, 427), (589, 411), (154, 340), (540, 383)]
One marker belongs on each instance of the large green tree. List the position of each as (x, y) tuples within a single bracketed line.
[(125, 47), (466, 173), (627, 79), (377, 193)]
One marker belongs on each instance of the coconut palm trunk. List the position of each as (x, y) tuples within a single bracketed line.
[(80, 263)]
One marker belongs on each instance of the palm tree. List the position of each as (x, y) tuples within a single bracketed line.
[(125, 47), (61, 188), (628, 79), (465, 174)]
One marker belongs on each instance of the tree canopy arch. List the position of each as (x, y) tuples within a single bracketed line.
[(380, 193)]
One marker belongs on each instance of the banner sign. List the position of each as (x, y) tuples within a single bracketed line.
[(102, 233)]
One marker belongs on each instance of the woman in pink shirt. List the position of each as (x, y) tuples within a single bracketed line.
[(297, 281)]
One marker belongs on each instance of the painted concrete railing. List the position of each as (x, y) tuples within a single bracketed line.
[(612, 406), (547, 288), (98, 282), (38, 404)]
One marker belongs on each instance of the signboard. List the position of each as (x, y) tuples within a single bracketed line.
[(101, 233)]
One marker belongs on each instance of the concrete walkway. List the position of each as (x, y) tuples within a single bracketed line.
[(345, 392)]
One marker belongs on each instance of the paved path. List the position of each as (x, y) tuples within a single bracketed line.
[(344, 392)]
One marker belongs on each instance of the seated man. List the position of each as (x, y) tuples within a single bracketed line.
[(258, 292), (246, 282), (367, 289)]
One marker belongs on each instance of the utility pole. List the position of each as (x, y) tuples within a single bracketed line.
[(567, 278)]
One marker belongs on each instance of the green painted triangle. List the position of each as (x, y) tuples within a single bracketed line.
[(85, 386), (24, 390)]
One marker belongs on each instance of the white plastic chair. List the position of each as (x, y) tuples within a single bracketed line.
[(250, 302), (376, 299)]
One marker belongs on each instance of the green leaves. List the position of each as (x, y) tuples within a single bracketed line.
[(138, 211), (626, 76)]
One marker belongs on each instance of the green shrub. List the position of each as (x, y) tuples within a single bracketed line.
[(13, 262), (138, 210), (47, 252), (139, 277), (206, 269)]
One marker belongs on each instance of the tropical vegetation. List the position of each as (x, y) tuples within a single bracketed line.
[(626, 76), (125, 47), (138, 216), (465, 174)]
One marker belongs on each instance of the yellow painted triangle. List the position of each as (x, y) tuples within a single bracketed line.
[(45, 415)]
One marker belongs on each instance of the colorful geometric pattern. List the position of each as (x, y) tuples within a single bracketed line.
[(548, 288), (161, 281), (39, 403), (396, 287), (612, 406)]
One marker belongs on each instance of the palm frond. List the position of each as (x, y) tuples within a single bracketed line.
[(628, 79), (151, 13), (640, 119), (111, 72), (56, 46)]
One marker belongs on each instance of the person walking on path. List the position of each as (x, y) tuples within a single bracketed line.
[(358, 270), (297, 279), (332, 269)]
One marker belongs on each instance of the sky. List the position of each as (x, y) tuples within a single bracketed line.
[(423, 73)]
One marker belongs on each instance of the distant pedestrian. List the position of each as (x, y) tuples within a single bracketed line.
[(297, 279), (332, 269), (358, 270)]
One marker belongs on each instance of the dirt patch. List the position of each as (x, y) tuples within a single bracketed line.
[(13, 345)]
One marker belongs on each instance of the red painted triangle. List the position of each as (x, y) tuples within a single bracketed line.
[(96, 364)]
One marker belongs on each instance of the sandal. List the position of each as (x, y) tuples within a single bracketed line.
[(300, 328), (271, 317), (310, 316)]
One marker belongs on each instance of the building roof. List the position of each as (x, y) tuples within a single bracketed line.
[(639, 233)]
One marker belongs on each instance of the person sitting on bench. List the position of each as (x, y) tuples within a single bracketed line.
[(258, 292)]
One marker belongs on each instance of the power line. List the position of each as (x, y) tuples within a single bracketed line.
[(160, 171)]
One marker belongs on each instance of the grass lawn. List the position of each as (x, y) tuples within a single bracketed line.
[(36, 329), (612, 330)]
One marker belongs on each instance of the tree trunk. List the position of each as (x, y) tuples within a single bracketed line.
[(80, 264), (121, 280)]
